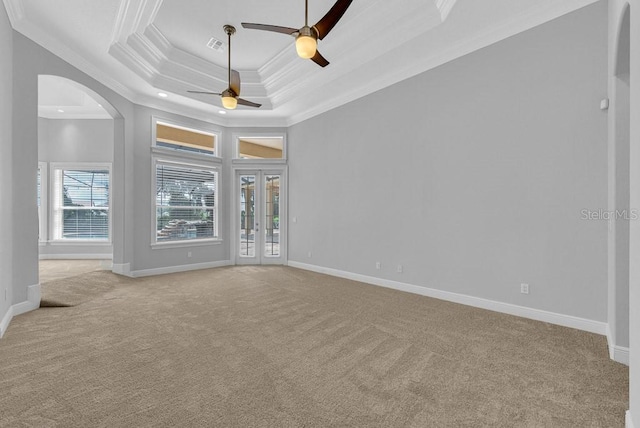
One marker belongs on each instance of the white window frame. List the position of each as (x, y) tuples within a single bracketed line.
[(43, 209), (188, 126), (185, 160), (55, 166), (236, 148)]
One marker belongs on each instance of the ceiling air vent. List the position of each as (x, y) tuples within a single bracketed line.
[(215, 44)]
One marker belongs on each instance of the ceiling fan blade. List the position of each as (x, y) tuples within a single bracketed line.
[(273, 28), (203, 92), (320, 60), (248, 103), (332, 17), (234, 83)]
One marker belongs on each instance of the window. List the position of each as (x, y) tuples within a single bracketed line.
[(186, 202), (260, 147), (185, 139), (81, 202)]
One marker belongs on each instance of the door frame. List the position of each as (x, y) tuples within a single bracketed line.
[(260, 171)]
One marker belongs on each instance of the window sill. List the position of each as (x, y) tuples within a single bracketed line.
[(78, 242), (261, 162), (185, 155), (185, 243)]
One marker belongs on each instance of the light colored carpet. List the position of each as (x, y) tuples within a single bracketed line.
[(51, 270), (281, 347)]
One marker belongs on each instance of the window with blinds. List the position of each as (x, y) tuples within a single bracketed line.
[(81, 204), (185, 202)]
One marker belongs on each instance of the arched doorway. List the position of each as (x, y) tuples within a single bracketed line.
[(76, 142)]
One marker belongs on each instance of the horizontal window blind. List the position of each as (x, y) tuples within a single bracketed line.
[(185, 202), (81, 204)]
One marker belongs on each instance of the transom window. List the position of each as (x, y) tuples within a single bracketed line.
[(185, 139), (258, 147)]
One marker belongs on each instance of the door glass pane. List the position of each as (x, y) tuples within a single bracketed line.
[(272, 215), (247, 218)]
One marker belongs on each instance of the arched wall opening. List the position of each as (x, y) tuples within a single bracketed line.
[(78, 195)]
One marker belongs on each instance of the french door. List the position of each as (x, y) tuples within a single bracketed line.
[(260, 222)]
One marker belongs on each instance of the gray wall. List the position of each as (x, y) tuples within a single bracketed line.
[(6, 149), (76, 140), (85, 140), (619, 179), (31, 60), (131, 204), (617, 8), (473, 175), (147, 257)]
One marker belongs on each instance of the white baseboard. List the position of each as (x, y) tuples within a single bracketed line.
[(175, 269), (84, 256), (121, 268), (32, 303), (507, 308), (6, 319), (617, 353), (628, 422)]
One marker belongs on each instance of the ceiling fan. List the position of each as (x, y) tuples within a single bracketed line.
[(230, 96), (307, 37)]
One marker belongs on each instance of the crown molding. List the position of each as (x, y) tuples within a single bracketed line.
[(133, 17), (294, 90), (133, 62), (404, 70), (72, 116), (291, 78), (35, 33), (445, 6), (15, 11), (157, 39), (152, 56)]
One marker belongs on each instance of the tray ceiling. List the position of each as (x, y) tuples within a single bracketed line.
[(142, 47)]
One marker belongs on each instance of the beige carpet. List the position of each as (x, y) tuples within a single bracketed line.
[(281, 347), (56, 269)]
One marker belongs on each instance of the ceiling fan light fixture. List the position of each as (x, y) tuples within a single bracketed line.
[(230, 96), (306, 44), (229, 102)]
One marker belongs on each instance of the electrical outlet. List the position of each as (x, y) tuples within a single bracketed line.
[(309, 255), (524, 288), (378, 265), (189, 254), (399, 269)]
